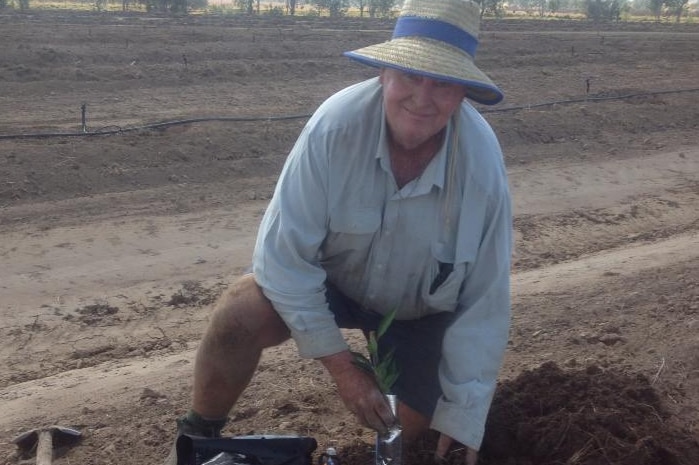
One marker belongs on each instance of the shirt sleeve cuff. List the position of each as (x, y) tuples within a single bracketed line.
[(320, 342), (465, 425)]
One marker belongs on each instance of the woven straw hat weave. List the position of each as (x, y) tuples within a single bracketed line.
[(437, 39)]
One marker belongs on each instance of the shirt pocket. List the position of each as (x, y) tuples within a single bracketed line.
[(356, 227), (444, 280)]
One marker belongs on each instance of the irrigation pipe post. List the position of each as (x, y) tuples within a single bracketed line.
[(83, 111)]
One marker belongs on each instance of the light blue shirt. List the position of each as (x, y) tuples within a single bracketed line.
[(337, 214)]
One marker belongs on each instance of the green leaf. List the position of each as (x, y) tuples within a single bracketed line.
[(389, 381), (363, 363), (387, 372), (386, 322), (373, 347), (383, 369), (391, 353), (386, 376)]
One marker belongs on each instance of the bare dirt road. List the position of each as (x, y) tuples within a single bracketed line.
[(113, 248)]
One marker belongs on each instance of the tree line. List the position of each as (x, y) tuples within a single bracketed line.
[(597, 10), (333, 8)]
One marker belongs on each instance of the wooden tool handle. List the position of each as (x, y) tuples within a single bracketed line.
[(44, 449)]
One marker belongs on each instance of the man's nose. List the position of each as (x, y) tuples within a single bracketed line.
[(423, 91)]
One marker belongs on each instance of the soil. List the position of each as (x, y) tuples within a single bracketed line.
[(114, 247)]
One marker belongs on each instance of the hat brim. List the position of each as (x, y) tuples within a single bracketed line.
[(433, 59)]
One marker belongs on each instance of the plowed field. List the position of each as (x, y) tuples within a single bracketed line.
[(114, 246)]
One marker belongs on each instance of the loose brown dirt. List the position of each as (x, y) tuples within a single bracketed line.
[(115, 246)]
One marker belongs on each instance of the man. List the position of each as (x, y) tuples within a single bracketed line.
[(394, 197)]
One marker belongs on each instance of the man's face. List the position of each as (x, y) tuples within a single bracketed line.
[(417, 107)]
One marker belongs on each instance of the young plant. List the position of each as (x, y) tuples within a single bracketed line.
[(383, 369)]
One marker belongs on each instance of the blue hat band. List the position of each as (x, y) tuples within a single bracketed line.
[(407, 26)]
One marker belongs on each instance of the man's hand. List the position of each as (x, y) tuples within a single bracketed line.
[(359, 392), (443, 445)]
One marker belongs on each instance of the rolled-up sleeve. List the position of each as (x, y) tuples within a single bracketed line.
[(474, 345), (285, 259)]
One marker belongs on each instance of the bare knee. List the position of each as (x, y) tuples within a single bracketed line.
[(245, 315)]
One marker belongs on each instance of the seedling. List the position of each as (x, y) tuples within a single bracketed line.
[(383, 369)]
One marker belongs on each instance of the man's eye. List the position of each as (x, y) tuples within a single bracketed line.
[(412, 77), (446, 85)]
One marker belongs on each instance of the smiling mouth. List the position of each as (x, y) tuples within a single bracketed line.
[(418, 115)]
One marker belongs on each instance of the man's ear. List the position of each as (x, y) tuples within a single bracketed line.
[(381, 71)]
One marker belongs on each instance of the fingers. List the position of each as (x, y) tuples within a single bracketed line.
[(359, 392), (471, 456), (443, 445), (372, 416), (367, 402)]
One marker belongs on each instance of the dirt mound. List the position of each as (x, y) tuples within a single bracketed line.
[(552, 416), (589, 416)]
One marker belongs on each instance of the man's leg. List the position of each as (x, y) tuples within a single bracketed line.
[(413, 423), (242, 325)]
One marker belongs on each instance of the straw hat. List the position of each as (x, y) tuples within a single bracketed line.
[(437, 39)]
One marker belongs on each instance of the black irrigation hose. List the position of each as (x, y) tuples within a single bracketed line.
[(119, 130), (587, 99), (164, 124)]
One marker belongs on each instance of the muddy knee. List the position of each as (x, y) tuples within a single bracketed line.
[(244, 315)]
